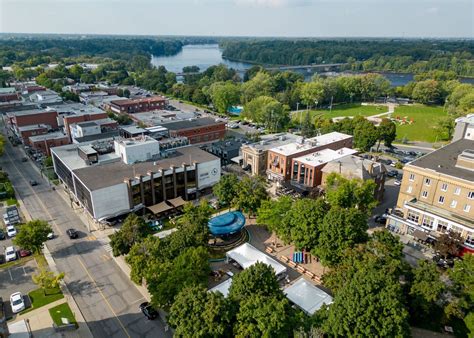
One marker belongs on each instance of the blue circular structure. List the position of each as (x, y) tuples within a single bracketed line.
[(226, 224)]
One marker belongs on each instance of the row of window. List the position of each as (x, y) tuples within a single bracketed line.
[(428, 222), (444, 187)]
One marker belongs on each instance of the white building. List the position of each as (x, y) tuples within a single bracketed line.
[(307, 296), (139, 149)]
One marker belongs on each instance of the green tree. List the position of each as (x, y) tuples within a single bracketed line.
[(341, 229), (272, 213), (387, 132), (426, 91), (47, 280), (224, 95), (370, 304), (307, 127), (365, 134), (261, 316), (462, 291), (226, 189), (165, 282), (198, 313), (312, 93), (134, 229), (251, 192), (76, 72), (32, 235), (445, 128), (260, 85), (258, 279)]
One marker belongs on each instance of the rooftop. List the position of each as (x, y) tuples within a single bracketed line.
[(136, 101), (33, 127), (7, 90), (49, 136), (307, 296), (158, 117), (355, 167), (192, 123), (75, 109), (443, 160), (247, 255), (466, 119), (105, 175), (223, 287), (303, 145), (96, 122), (89, 138), (273, 140), (134, 130), (29, 112), (324, 156)]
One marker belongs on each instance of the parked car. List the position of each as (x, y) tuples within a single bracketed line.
[(11, 231), (10, 254), (382, 219), (33, 183), (397, 183), (24, 159), (392, 173), (149, 311), (16, 302), (24, 253), (72, 233), (51, 235), (2, 234)]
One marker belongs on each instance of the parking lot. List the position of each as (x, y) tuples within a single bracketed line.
[(17, 278)]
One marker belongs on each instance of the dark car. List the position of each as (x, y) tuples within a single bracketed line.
[(33, 183), (381, 219), (2, 234), (25, 253), (392, 173), (149, 311), (72, 233), (24, 159)]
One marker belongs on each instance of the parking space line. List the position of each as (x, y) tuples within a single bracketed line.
[(10, 273), (24, 272)]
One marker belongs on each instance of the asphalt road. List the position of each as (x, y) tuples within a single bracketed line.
[(106, 297), (17, 279)]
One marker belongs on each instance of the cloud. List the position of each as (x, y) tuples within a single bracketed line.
[(433, 10), (272, 3)]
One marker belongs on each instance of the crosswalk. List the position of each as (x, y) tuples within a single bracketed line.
[(106, 245)]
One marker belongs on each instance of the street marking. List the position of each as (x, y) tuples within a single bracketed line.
[(91, 238), (103, 296), (106, 257), (10, 274), (24, 272)]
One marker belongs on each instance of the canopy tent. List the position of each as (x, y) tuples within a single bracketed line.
[(247, 255), (160, 208), (421, 235), (222, 287), (307, 296), (177, 202)]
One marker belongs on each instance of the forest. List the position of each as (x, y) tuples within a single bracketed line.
[(411, 56)]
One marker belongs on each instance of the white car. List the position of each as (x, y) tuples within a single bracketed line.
[(11, 231), (397, 182), (16, 302), (51, 235), (10, 254)]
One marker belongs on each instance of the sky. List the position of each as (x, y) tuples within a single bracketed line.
[(279, 18)]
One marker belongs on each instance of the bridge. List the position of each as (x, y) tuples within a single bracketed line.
[(325, 66)]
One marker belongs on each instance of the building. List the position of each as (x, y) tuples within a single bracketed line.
[(81, 129), (355, 167), (159, 117), (307, 296), (464, 128), (47, 96), (200, 130), (306, 171), (226, 150), (437, 194), (130, 106), (132, 131), (43, 143), (280, 159), (93, 97), (31, 122), (254, 156), (9, 94), (106, 186)]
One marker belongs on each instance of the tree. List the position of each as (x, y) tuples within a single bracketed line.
[(272, 213), (341, 229), (198, 313), (370, 304), (260, 85), (426, 289), (426, 91), (307, 127), (445, 127), (312, 93), (32, 235), (166, 280), (251, 192), (258, 279), (133, 230), (261, 316), (226, 189), (387, 132), (449, 244), (462, 291), (365, 134), (47, 280), (224, 95)]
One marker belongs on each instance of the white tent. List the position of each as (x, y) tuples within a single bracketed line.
[(247, 255), (222, 287), (307, 296)]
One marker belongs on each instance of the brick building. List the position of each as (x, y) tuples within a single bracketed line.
[(198, 130), (130, 106), (44, 143)]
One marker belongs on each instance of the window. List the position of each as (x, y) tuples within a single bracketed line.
[(412, 177), (470, 195), (428, 222), (457, 191), (441, 200), (444, 187), (424, 194), (470, 240), (442, 226), (453, 203), (427, 181), (467, 208), (409, 189), (413, 216)]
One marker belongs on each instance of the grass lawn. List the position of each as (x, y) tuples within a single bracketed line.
[(39, 299), (354, 109), (62, 311), (424, 118)]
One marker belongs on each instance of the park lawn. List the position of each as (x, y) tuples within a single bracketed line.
[(39, 299), (62, 311), (425, 119), (344, 110)]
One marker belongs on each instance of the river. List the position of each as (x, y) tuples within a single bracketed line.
[(205, 56)]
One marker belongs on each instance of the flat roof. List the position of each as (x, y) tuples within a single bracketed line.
[(49, 136), (29, 112), (88, 138), (443, 160), (140, 100), (7, 90), (96, 122), (108, 174), (307, 296), (273, 140), (247, 255), (324, 156), (159, 117), (33, 127), (192, 123), (355, 167), (134, 129), (76, 109), (223, 287), (297, 147)]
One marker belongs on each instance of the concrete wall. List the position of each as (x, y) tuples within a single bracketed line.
[(111, 200), (136, 151)]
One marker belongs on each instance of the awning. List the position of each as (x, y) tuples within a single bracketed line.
[(159, 208), (237, 159), (420, 235), (177, 202)]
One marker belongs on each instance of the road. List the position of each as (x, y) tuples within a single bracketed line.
[(106, 297)]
